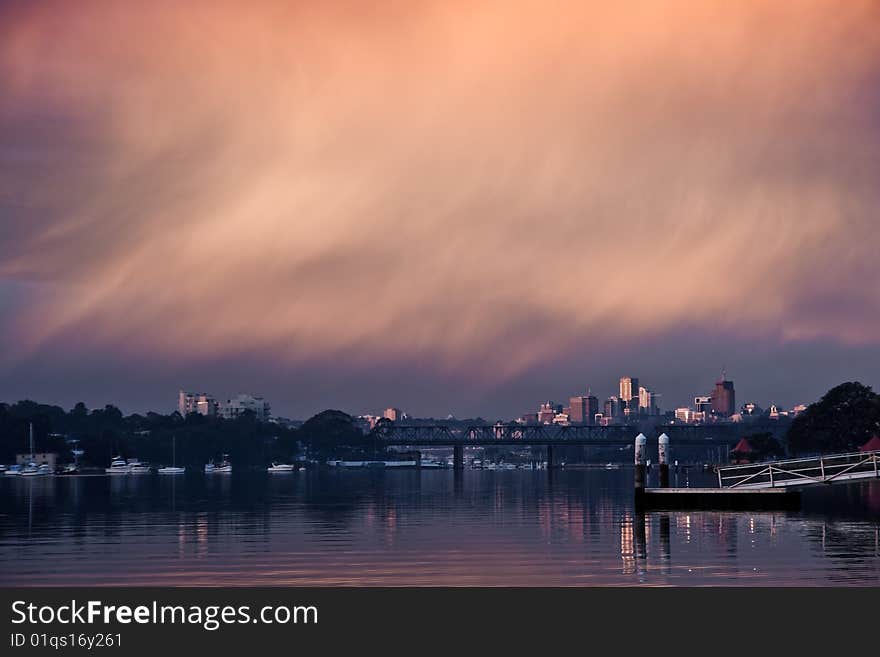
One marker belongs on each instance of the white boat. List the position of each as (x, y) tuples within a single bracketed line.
[(224, 467), (135, 467), (172, 469), (32, 469), (431, 463), (280, 467), (13, 470), (2, 469), (118, 466)]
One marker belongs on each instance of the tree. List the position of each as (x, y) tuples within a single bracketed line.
[(330, 430), (843, 420), (765, 446)]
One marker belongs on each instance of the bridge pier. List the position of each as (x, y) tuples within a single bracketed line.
[(663, 459), (640, 472), (550, 464), (458, 457)]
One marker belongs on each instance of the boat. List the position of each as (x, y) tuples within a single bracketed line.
[(135, 467), (431, 463), (118, 466), (172, 469), (70, 469), (280, 467), (224, 467), (32, 469), (13, 470), (2, 469)]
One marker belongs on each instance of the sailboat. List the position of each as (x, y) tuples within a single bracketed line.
[(31, 469), (173, 470)]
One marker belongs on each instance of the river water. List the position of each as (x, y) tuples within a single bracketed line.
[(494, 528)]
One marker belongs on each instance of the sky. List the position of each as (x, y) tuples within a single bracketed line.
[(461, 207)]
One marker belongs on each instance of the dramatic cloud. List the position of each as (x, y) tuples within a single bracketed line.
[(454, 186)]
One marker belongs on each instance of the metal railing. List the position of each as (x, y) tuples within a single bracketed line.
[(802, 472)]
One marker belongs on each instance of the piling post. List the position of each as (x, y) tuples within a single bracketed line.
[(663, 458), (549, 457), (639, 478), (458, 457)]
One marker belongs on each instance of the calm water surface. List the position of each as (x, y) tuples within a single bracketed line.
[(576, 527)]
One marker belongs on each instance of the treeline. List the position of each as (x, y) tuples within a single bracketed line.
[(844, 419), (104, 433)]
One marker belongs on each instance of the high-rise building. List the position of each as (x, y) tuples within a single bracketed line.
[(703, 403), (196, 402), (393, 414), (583, 409), (724, 398), (629, 390), (240, 404), (613, 407), (647, 402)]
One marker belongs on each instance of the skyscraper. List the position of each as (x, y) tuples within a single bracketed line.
[(647, 402), (724, 398), (629, 390), (583, 409)]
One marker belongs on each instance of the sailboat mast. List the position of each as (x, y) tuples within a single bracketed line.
[(32, 440)]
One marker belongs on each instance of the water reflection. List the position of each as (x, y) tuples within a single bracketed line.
[(407, 527)]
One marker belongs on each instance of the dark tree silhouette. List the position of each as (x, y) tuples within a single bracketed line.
[(843, 420)]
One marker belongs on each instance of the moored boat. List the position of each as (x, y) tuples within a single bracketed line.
[(118, 466), (172, 469), (224, 467), (135, 467), (280, 467)]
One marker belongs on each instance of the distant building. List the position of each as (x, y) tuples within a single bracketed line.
[(562, 419), (750, 409), (683, 414), (240, 404), (50, 458), (613, 407), (703, 403), (196, 402), (583, 409), (547, 412), (393, 414), (647, 402), (724, 398), (529, 418), (629, 391)]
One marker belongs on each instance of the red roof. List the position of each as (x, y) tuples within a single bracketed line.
[(872, 445), (743, 446)]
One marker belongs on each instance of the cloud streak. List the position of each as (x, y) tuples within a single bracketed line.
[(466, 187)]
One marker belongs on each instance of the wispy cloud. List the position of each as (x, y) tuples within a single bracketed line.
[(449, 183)]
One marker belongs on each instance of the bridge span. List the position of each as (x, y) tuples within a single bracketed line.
[(389, 433)]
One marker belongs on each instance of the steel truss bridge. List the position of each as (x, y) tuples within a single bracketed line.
[(426, 435)]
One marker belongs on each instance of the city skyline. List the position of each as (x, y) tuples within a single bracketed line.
[(445, 207)]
